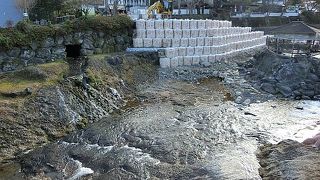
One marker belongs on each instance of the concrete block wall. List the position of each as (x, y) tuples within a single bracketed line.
[(194, 42)]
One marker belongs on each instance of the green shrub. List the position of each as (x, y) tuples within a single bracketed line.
[(25, 33)]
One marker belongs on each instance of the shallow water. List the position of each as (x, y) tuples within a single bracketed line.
[(181, 130)]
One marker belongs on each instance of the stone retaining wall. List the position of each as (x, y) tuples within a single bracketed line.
[(54, 48), (193, 42)]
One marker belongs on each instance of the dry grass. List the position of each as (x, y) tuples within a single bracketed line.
[(48, 74)]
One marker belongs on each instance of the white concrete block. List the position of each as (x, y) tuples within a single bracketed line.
[(158, 24), (175, 42), (215, 24), (210, 32), (193, 24), (151, 33), (216, 41), (198, 50), (165, 62), (147, 42), (150, 24), (201, 24), (208, 24), (214, 50), (141, 33), (137, 42), (200, 41), (166, 42), (141, 24), (194, 33), (176, 24), (185, 24), (186, 33), (212, 59), (177, 33), (167, 23), (184, 42), (182, 51), (157, 42), (202, 33), (168, 33), (187, 60), (219, 57), (159, 33), (204, 59), (190, 51), (207, 50), (170, 52), (195, 60), (174, 62), (180, 60), (193, 42), (208, 41)]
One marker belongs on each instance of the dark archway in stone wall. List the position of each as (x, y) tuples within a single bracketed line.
[(73, 51)]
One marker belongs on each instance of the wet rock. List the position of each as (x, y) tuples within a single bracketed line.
[(284, 90), (270, 88), (289, 160)]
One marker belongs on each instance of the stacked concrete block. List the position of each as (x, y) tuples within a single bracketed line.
[(160, 33), (184, 42), (185, 24), (174, 62), (186, 33), (150, 24), (165, 62), (177, 33), (175, 42), (176, 24), (193, 42), (138, 42), (151, 33), (167, 24), (187, 60), (182, 51), (168, 33), (190, 51), (166, 42), (158, 24), (202, 33), (157, 42), (193, 24), (141, 24), (141, 33), (195, 60), (200, 41), (211, 58), (207, 50), (194, 33), (180, 60), (204, 59), (201, 24), (198, 50)]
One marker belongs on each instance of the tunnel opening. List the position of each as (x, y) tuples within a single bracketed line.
[(73, 51)]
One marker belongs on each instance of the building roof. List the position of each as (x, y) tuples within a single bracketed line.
[(296, 28)]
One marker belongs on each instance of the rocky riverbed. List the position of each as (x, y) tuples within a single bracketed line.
[(186, 123)]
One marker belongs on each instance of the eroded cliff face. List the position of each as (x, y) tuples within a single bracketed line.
[(98, 87)]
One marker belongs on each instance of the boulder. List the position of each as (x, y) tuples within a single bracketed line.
[(269, 88), (285, 90)]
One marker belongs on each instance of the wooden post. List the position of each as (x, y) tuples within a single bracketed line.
[(292, 47)]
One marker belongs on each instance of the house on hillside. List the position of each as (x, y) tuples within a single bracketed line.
[(9, 13)]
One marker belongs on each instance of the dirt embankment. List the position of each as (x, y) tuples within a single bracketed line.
[(45, 102)]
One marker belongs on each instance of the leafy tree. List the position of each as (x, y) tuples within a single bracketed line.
[(46, 9)]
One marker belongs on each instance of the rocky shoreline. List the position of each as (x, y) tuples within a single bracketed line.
[(133, 87)]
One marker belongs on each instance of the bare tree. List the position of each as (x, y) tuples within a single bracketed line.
[(25, 5)]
